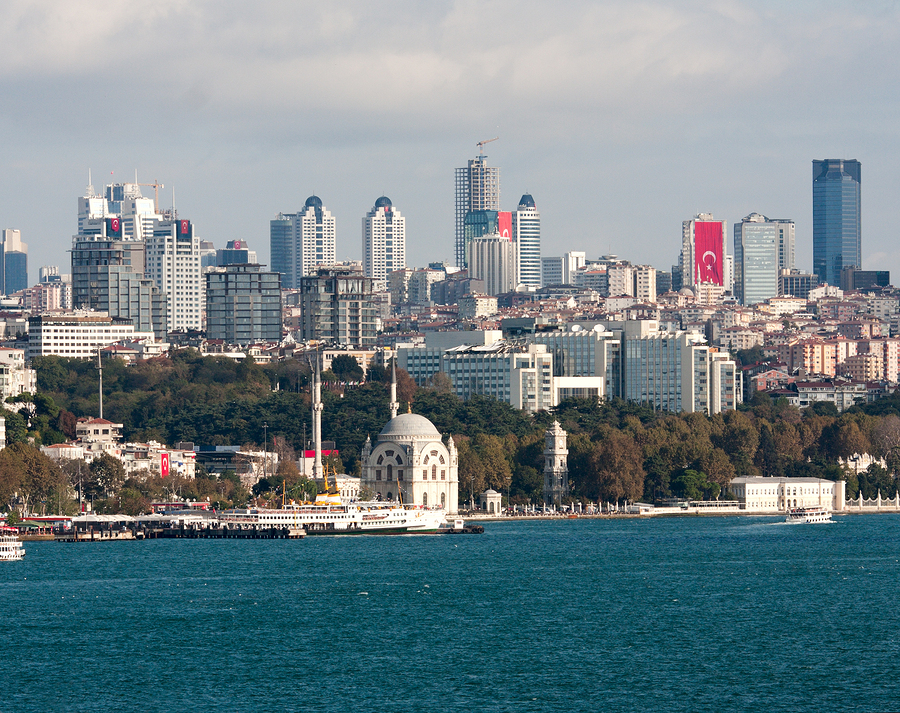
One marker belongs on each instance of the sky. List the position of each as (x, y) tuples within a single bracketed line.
[(621, 118)]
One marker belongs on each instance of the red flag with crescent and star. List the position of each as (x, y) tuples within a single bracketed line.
[(708, 253)]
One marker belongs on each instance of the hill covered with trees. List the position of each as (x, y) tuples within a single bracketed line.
[(616, 449)]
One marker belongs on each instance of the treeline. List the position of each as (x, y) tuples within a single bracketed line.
[(617, 450)]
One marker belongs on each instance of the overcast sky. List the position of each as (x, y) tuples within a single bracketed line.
[(622, 119)]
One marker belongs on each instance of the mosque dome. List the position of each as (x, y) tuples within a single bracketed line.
[(409, 425)]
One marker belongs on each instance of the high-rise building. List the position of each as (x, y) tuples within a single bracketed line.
[(173, 263), (13, 262), (702, 259), (762, 249), (837, 219), (108, 276), (526, 233), (492, 258), (301, 241), (477, 224), (337, 305), (477, 188), (122, 200), (384, 241), (243, 304)]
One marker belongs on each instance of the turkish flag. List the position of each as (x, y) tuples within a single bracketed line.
[(114, 227), (185, 227), (164, 463)]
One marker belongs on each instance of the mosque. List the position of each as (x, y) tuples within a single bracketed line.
[(409, 461)]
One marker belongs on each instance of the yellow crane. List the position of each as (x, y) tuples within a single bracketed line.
[(156, 185), (481, 144)]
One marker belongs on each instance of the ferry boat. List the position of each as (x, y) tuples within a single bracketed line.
[(11, 549), (808, 515), (332, 515)]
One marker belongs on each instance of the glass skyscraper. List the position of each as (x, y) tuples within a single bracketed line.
[(762, 248), (837, 221)]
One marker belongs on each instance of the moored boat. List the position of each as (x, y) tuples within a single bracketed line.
[(808, 515), (332, 515), (11, 549)]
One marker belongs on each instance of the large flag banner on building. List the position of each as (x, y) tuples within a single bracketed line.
[(164, 463), (114, 227), (708, 249), (504, 224)]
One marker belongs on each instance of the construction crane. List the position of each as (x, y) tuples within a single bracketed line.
[(156, 185), (481, 144)]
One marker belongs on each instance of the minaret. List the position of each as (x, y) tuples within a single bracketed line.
[(556, 469), (395, 405), (317, 422)]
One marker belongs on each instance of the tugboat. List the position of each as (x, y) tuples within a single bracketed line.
[(11, 550), (808, 515)]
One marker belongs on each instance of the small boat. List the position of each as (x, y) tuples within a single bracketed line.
[(11, 549), (808, 515)]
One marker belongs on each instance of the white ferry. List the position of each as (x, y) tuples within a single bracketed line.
[(11, 549), (332, 515), (808, 515)]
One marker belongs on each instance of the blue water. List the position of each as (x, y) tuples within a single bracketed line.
[(689, 614)]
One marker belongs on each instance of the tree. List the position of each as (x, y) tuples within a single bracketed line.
[(346, 368), (886, 438), (494, 464), (108, 473), (439, 383), (471, 470), (616, 467)]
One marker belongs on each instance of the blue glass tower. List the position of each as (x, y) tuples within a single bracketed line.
[(837, 221)]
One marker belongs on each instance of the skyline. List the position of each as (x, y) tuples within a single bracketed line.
[(621, 122)]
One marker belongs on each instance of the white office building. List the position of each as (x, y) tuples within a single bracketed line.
[(562, 270), (299, 242), (384, 242), (526, 226), (520, 375), (173, 262), (78, 336), (119, 200)]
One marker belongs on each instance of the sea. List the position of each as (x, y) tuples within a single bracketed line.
[(672, 614)]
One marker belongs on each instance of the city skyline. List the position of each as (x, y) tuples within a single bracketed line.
[(600, 109)]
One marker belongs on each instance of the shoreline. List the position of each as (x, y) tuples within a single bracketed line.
[(638, 516)]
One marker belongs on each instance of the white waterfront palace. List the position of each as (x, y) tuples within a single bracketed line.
[(781, 494)]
